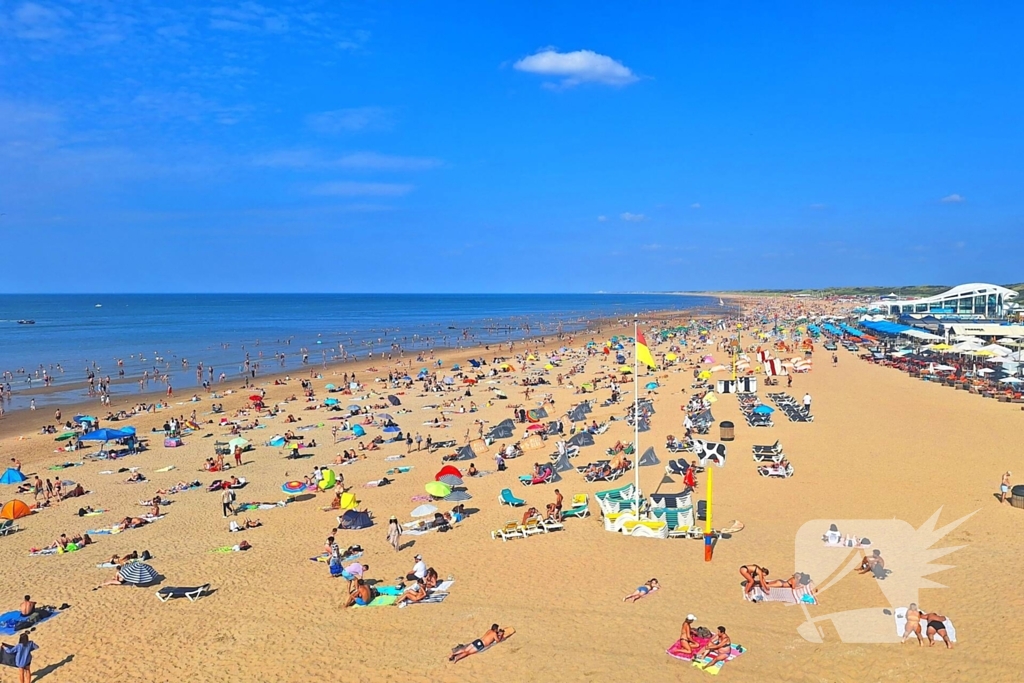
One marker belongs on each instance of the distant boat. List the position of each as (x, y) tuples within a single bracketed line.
[(721, 303), (26, 322), (99, 306)]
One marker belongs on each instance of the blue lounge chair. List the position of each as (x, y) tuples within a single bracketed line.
[(506, 497)]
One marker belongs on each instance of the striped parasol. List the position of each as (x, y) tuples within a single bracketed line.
[(293, 487), (458, 496), (451, 480), (138, 573)]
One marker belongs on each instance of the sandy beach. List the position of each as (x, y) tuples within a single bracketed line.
[(882, 446)]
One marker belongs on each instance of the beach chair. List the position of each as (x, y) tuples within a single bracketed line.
[(510, 530), (8, 527), (550, 525), (776, 472), (531, 527), (506, 497), (193, 593), (774, 448), (679, 467), (768, 457), (580, 507)]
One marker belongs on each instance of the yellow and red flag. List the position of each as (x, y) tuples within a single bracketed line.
[(643, 354)]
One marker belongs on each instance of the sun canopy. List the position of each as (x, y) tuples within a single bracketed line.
[(104, 435)]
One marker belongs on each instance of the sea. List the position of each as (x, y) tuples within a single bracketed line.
[(170, 334)]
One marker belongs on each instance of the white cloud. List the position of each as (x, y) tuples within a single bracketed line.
[(695, 205), (347, 188), (367, 161), (632, 217), (351, 120), (582, 66), (953, 199), (602, 219)]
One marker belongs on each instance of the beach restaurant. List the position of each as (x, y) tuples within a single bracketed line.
[(978, 300)]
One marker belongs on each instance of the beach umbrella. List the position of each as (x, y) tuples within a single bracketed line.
[(652, 385), (65, 436), (354, 408), (293, 487), (469, 380), (764, 410), (451, 480), (424, 510), (329, 387), (456, 367), (671, 357), (239, 442), (15, 509), (458, 496), (704, 374), (1011, 380), (83, 418), (536, 427), (392, 429), (626, 370), (437, 489), (256, 398), (384, 416), (137, 573), (448, 381)]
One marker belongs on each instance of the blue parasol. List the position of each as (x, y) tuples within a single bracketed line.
[(138, 573)]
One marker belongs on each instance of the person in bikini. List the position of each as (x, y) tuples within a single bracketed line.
[(913, 624), (642, 591), (687, 642), (492, 636), (754, 575)]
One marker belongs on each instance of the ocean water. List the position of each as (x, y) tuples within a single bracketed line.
[(155, 332)]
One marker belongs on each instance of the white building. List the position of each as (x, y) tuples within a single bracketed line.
[(975, 299)]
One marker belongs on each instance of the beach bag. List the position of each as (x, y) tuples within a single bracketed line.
[(335, 568)]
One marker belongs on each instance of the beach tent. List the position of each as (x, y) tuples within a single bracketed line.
[(355, 519), (448, 470), (348, 501), (14, 509), (578, 414), (561, 464), (536, 414), (475, 363), (581, 439), (465, 453), (648, 458), (329, 479), (357, 430), (393, 400), (12, 476), (277, 441), (104, 435), (502, 430)]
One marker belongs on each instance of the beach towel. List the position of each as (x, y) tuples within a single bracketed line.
[(94, 513), (35, 552), (399, 470), (326, 557), (381, 601), (9, 621), (230, 549), (790, 596), (432, 599), (391, 458), (714, 670), (677, 651), (900, 616), (107, 565), (166, 469), (65, 465)]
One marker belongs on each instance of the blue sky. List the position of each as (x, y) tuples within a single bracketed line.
[(475, 147)]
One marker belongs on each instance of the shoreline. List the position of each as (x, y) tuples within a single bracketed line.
[(22, 422)]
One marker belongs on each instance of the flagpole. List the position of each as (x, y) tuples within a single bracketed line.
[(636, 417)]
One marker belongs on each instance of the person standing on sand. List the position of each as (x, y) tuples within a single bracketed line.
[(1004, 486), (238, 456), (807, 402), (226, 499), (395, 534), (419, 441), (22, 653)]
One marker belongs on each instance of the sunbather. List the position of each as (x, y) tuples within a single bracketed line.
[(913, 624), (874, 564), (529, 514), (362, 595), (414, 593), (936, 626), (718, 648), (492, 636), (687, 643), (642, 591), (754, 576)]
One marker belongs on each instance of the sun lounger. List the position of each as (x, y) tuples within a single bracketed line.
[(506, 497), (580, 507), (550, 525), (774, 448), (531, 527), (8, 527), (776, 472), (193, 593), (510, 530)]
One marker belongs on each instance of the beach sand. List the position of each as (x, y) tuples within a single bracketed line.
[(882, 446)]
